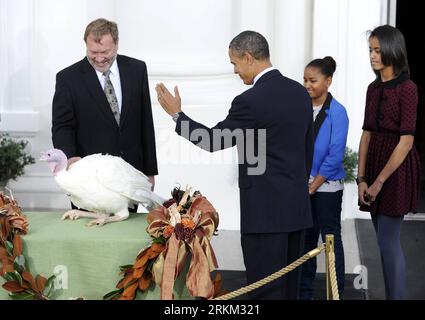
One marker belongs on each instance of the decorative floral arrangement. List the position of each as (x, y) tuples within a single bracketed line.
[(19, 281), (181, 228)]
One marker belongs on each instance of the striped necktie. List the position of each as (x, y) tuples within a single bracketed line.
[(111, 96)]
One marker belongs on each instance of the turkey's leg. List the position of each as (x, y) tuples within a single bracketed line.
[(75, 214), (101, 221)]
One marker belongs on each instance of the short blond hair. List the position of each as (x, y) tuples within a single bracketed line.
[(100, 27)]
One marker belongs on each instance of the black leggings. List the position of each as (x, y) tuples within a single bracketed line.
[(393, 264)]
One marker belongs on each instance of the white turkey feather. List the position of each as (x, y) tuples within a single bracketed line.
[(106, 184)]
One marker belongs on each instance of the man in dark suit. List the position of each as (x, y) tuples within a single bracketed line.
[(275, 117), (102, 104)]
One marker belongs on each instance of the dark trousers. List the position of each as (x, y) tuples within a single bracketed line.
[(266, 253), (393, 264), (326, 211)]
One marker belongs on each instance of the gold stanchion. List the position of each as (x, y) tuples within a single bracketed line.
[(331, 280), (329, 247), (274, 276)]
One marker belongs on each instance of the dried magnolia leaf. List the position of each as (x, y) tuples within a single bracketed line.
[(29, 278), (142, 260), (168, 203), (40, 282), (13, 286), (6, 268), (124, 282), (17, 245), (2, 200), (153, 254), (158, 247), (10, 209), (142, 253), (19, 223), (217, 283), (137, 273), (5, 226), (145, 281), (3, 253), (130, 291)]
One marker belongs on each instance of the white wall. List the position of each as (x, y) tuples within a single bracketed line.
[(340, 30), (183, 43)]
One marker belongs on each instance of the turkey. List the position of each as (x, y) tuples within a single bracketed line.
[(101, 184)]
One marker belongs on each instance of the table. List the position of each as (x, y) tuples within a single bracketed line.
[(87, 259)]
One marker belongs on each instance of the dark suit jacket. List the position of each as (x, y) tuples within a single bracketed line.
[(83, 123), (277, 200)]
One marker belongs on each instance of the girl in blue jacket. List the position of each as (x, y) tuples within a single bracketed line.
[(326, 181)]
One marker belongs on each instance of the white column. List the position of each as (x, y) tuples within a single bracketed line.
[(391, 10), (340, 30), (17, 114), (4, 75), (18, 38), (177, 38), (102, 9), (330, 38), (185, 43), (292, 36), (256, 16)]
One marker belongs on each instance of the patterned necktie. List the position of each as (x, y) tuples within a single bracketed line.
[(110, 95)]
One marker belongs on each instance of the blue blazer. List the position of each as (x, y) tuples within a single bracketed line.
[(330, 132), (276, 200)]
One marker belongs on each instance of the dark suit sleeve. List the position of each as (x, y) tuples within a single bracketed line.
[(63, 119), (309, 147), (224, 134), (150, 166)]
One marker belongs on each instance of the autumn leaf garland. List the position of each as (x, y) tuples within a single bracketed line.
[(188, 221), (180, 228), (18, 280)]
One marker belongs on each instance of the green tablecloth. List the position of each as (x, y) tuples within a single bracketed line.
[(90, 256)]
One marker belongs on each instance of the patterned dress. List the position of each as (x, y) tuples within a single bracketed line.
[(390, 112)]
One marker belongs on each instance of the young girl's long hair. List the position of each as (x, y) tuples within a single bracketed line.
[(393, 49)]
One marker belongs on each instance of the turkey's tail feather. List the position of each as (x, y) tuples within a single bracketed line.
[(150, 200)]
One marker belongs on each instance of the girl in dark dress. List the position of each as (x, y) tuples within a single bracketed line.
[(389, 169)]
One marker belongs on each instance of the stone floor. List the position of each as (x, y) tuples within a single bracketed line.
[(229, 253)]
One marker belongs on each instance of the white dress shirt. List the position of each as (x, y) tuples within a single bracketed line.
[(258, 76), (316, 110), (115, 79)]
